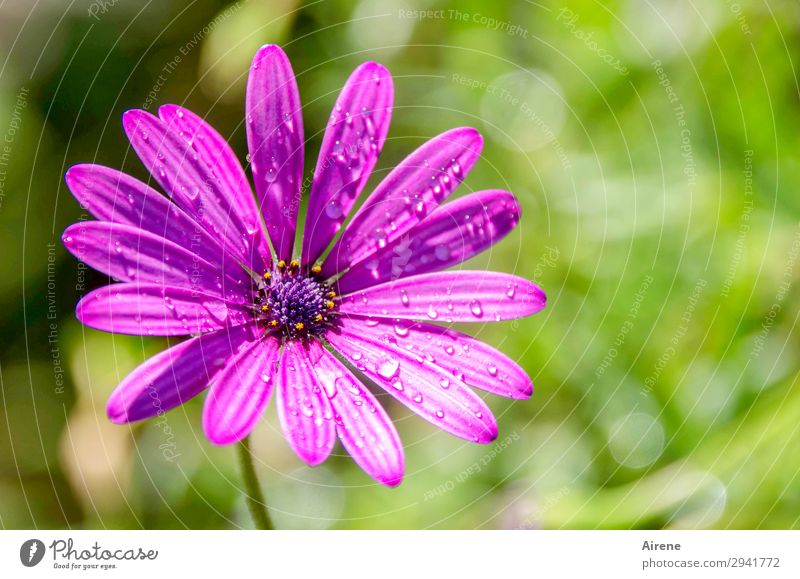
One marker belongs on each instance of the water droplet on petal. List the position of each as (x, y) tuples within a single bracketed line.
[(217, 309), (475, 308), (388, 367), (333, 210)]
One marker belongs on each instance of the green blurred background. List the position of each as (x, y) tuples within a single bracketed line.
[(653, 148)]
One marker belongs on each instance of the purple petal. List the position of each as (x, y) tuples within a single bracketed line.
[(363, 426), (217, 154), (450, 296), (410, 192), (111, 195), (275, 140), (240, 394), (471, 361), (182, 173), (303, 408), (129, 254), (353, 141), (403, 368), (175, 375), (155, 310), (451, 234)]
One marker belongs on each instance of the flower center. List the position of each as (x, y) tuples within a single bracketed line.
[(295, 305)]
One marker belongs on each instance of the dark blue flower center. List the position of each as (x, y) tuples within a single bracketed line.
[(293, 304)]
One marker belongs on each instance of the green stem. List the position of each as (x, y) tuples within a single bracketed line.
[(255, 498)]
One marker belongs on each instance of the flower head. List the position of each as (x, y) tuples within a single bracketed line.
[(217, 264)]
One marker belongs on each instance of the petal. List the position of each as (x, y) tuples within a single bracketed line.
[(181, 172), (363, 426), (450, 296), (217, 154), (155, 310), (111, 195), (401, 368), (353, 141), (175, 375), (304, 410), (129, 254), (410, 192), (240, 394), (451, 234), (470, 360), (275, 140)]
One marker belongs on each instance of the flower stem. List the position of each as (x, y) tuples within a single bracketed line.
[(254, 497)]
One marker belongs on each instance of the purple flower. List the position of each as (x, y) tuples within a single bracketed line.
[(199, 264)]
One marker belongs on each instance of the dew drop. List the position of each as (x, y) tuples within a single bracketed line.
[(388, 367), (333, 210), (442, 252), (287, 121), (475, 308)]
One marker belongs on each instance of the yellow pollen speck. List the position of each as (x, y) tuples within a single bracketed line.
[(331, 294), (267, 275), (294, 263), (274, 323), (265, 308), (318, 318), (299, 326), (316, 269), (329, 304), (281, 264)]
